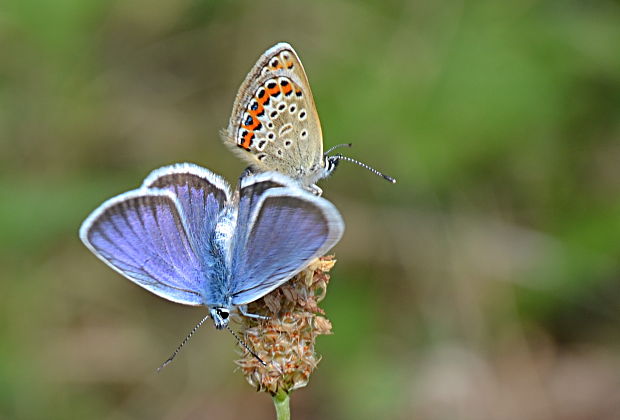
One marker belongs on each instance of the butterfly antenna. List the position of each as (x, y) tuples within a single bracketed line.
[(331, 149), (178, 349), (245, 346), (363, 165)]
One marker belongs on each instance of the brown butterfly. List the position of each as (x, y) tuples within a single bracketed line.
[(274, 124)]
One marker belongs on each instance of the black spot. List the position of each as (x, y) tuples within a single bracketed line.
[(304, 133), (269, 124), (302, 114), (271, 136), (261, 143), (275, 95), (273, 114), (298, 93), (254, 106), (262, 156), (279, 152), (284, 83), (274, 63), (287, 143), (267, 102), (260, 127), (248, 120), (289, 93), (261, 93), (292, 108), (271, 85), (244, 133), (281, 107), (260, 114), (290, 66)]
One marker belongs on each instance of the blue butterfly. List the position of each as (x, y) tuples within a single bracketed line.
[(183, 236)]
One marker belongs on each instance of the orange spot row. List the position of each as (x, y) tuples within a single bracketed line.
[(247, 140), (255, 123), (271, 92), (258, 111), (263, 100), (287, 89)]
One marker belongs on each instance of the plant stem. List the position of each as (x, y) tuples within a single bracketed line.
[(281, 402)]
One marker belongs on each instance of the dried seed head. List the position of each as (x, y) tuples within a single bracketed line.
[(286, 341)]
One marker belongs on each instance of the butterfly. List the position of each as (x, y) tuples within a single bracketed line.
[(274, 123), (186, 238)]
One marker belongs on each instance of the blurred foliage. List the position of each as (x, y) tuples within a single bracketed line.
[(483, 285)]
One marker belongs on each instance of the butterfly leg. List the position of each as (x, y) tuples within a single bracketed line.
[(246, 172), (314, 189), (244, 312)]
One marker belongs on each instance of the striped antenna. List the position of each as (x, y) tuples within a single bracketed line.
[(332, 162), (178, 349), (246, 346)]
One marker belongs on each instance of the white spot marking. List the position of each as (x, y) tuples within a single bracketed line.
[(260, 146), (285, 129)]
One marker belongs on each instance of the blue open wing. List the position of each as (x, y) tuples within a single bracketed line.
[(283, 231), (201, 194), (142, 234)]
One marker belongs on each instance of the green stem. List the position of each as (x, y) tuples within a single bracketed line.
[(281, 402)]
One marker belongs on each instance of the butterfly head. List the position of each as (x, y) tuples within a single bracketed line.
[(330, 164), (220, 317)]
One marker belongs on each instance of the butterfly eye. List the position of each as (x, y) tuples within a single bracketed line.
[(223, 313)]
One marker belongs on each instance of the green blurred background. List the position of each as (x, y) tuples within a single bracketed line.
[(483, 285)]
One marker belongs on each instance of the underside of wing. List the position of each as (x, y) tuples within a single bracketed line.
[(274, 124)]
